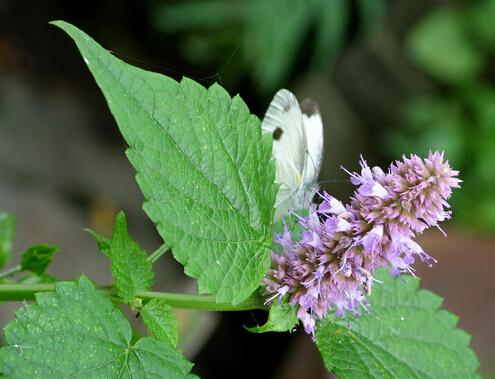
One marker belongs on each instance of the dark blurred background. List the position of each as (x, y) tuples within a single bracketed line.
[(392, 77)]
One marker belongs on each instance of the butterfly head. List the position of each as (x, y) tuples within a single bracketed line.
[(303, 195)]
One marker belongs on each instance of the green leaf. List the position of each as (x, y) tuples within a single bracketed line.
[(439, 44), (405, 335), (7, 226), (271, 47), (77, 332), (188, 15), (203, 166), (129, 263), (281, 318), (103, 243), (371, 13), (481, 16), (431, 123), (331, 19), (37, 258), (161, 321)]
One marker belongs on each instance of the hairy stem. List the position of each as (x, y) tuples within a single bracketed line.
[(157, 253), (26, 292), (10, 272)]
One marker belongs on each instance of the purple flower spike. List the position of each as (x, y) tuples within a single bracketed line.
[(330, 205), (284, 239), (331, 267)]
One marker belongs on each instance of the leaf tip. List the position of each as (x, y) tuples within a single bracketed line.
[(59, 23)]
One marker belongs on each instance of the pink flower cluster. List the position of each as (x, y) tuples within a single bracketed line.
[(331, 266)]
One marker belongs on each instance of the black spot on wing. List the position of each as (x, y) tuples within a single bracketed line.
[(277, 133), (309, 107)]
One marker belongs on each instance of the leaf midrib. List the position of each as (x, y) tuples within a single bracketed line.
[(185, 156)]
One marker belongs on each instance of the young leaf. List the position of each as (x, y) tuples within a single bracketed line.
[(281, 318), (129, 264), (203, 166), (441, 45), (37, 258), (77, 332), (405, 335), (7, 225), (102, 242), (160, 321)]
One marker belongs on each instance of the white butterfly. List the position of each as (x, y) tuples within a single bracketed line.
[(297, 132)]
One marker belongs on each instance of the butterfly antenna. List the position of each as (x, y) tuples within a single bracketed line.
[(334, 181), (325, 181), (224, 67), (312, 161), (180, 73), (147, 63)]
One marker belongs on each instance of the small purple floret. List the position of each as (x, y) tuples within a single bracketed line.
[(341, 246)]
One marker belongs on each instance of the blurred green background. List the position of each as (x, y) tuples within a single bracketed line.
[(392, 77), (434, 63)]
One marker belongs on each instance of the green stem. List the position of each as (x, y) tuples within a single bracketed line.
[(26, 292), (203, 302), (157, 253), (10, 272)]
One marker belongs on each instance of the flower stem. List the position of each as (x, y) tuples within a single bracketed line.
[(157, 253), (26, 292), (10, 272)]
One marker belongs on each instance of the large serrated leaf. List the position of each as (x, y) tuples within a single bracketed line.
[(129, 262), (203, 166), (77, 332), (405, 335)]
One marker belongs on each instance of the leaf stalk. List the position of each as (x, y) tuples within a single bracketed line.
[(10, 272), (153, 257)]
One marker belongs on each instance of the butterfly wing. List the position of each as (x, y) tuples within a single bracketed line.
[(313, 126), (284, 121)]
